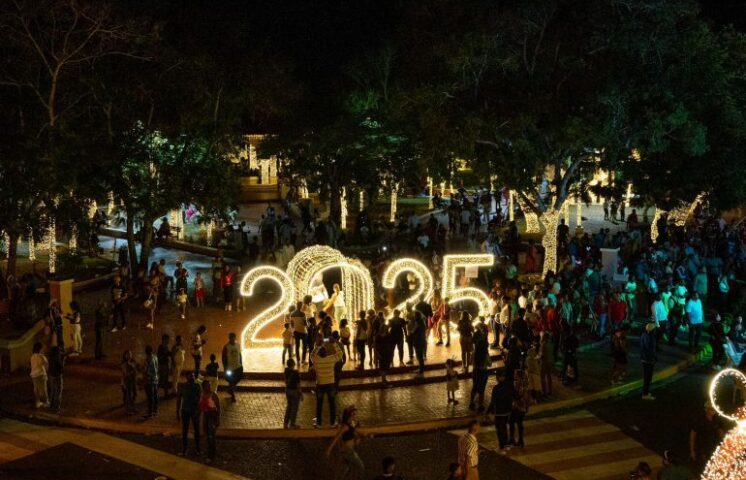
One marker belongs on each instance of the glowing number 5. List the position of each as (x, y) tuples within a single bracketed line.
[(453, 292), (279, 308), (420, 272)]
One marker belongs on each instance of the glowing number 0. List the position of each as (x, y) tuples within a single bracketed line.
[(727, 461), (457, 294), (279, 308), (420, 272)]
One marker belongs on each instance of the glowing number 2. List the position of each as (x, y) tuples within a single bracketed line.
[(420, 272), (457, 294), (279, 308)]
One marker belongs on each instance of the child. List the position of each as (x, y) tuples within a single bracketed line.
[(199, 290), (344, 335), (619, 354), (451, 381), (287, 342), (211, 373), (182, 299)]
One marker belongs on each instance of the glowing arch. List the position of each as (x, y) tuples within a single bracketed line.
[(728, 460), (271, 313), (356, 280), (420, 272)]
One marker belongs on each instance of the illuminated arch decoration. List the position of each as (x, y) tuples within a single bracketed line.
[(457, 294), (421, 273), (271, 313), (729, 459), (356, 280)]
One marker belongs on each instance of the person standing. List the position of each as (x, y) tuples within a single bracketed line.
[(705, 435), (338, 302), (226, 283), (56, 366), (397, 332), (177, 362), (648, 357), (466, 339), (419, 340), (164, 365), (468, 452), (717, 342), (426, 310), (546, 363), (349, 437), (75, 317), (150, 381), (118, 304), (39, 369), (695, 313), (129, 382), (660, 317), (99, 326), (481, 368), (199, 290), (197, 343), (324, 361), (187, 411), (293, 394), (209, 407), (501, 405), (298, 319), (232, 364), (521, 402), (361, 338)]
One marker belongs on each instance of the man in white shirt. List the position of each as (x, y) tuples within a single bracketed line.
[(696, 316), (468, 452), (660, 317)]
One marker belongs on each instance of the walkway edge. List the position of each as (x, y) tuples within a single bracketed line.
[(307, 433)]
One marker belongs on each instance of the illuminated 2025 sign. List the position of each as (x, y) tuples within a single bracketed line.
[(313, 261)]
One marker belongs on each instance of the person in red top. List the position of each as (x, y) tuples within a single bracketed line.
[(617, 311), (553, 327), (226, 283)]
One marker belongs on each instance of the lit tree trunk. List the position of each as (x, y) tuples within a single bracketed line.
[(12, 253), (654, 225), (532, 219), (550, 219)]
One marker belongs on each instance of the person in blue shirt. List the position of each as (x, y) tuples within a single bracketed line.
[(696, 316), (151, 381), (648, 357)]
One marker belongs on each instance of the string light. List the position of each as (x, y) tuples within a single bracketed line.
[(654, 233), (208, 234), (566, 213), (729, 459), (72, 244), (430, 193), (394, 200), (276, 310), (52, 242), (682, 214), (356, 280), (549, 240), (579, 213), (31, 246), (458, 294), (629, 195), (421, 274), (362, 200), (343, 209), (532, 219), (303, 190), (92, 210), (511, 207), (110, 207)]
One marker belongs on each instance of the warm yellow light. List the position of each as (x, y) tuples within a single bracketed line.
[(430, 193), (362, 201), (578, 213), (654, 233), (31, 246), (728, 461), (450, 288), (421, 273), (549, 241), (343, 209), (394, 200), (270, 314), (72, 245), (532, 220), (511, 207), (52, 242)]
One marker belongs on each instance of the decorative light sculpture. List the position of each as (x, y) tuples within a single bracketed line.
[(394, 200), (628, 195), (343, 209), (549, 240), (303, 190), (421, 274), (356, 280), (454, 293), (270, 314), (729, 459)]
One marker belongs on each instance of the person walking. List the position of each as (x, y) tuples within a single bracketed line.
[(361, 338), (501, 405), (717, 342), (481, 368), (619, 355), (452, 383), (187, 411), (232, 364), (150, 381), (56, 366), (695, 313), (397, 332), (419, 340), (324, 360), (118, 303), (39, 369), (468, 452), (178, 357), (197, 343), (298, 320), (348, 437), (209, 408), (293, 394), (129, 382), (521, 403), (76, 334), (648, 356)]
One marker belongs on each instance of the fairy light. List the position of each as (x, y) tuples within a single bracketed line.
[(110, 206), (579, 213), (532, 219), (31, 246), (458, 294), (343, 209), (443, 188), (729, 459), (549, 240), (430, 193), (511, 207), (303, 190), (270, 314), (394, 200), (52, 242), (208, 233), (356, 280), (72, 244), (361, 200), (566, 213), (654, 233), (629, 195), (421, 274), (92, 210)]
